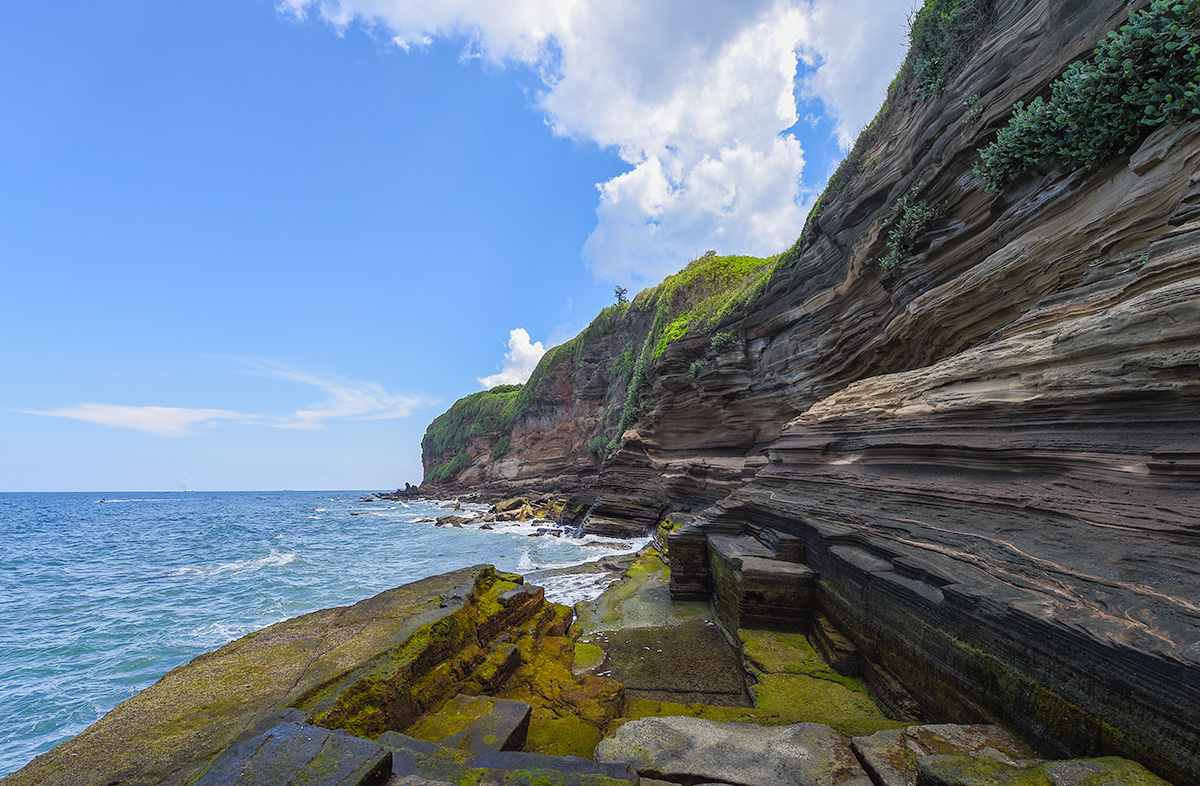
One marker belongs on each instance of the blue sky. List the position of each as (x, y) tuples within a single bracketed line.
[(248, 244)]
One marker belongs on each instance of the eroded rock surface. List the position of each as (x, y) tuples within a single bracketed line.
[(891, 757)]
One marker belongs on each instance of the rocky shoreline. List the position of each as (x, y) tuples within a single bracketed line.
[(473, 677)]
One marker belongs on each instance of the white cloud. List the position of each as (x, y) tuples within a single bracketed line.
[(859, 45), (519, 362), (696, 96), (355, 400)]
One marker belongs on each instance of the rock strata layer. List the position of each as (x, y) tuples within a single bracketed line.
[(989, 451)]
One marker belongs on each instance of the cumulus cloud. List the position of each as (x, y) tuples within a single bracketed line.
[(519, 362), (697, 96), (856, 48), (355, 400)]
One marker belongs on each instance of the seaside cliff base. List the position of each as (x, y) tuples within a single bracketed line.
[(473, 677)]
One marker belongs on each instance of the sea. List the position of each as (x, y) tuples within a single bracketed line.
[(103, 593)]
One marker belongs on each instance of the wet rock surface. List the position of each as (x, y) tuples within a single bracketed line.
[(293, 753)]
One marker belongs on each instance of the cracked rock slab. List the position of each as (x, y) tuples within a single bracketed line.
[(693, 750)]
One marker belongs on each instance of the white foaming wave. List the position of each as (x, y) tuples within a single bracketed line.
[(276, 559), (319, 510), (598, 550), (572, 588)]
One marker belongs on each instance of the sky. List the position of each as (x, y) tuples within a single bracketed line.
[(261, 244)]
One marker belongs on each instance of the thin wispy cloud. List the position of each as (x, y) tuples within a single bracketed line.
[(697, 96), (160, 421), (343, 400)]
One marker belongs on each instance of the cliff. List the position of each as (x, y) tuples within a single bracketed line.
[(971, 390)]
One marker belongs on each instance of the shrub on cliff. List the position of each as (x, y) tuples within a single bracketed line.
[(1144, 75), (910, 218), (941, 36)]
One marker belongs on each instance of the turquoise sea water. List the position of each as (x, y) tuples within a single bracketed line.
[(100, 599)]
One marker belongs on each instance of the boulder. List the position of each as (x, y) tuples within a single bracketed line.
[(693, 750), (510, 504), (294, 753)]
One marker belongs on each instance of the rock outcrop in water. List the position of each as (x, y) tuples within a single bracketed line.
[(988, 448)]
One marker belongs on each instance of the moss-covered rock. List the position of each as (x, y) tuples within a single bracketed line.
[(792, 679), (170, 732)]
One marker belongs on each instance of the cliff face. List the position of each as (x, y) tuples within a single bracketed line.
[(989, 445), (831, 316)]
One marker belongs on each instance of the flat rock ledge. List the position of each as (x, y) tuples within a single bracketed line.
[(292, 754)]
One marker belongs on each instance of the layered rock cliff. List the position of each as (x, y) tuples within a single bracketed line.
[(979, 411)]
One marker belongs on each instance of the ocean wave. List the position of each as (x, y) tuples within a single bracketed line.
[(276, 559), (217, 633), (572, 588)]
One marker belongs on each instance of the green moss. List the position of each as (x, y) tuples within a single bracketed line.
[(647, 708), (569, 735), (587, 657), (841, 703), (777, 651)]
